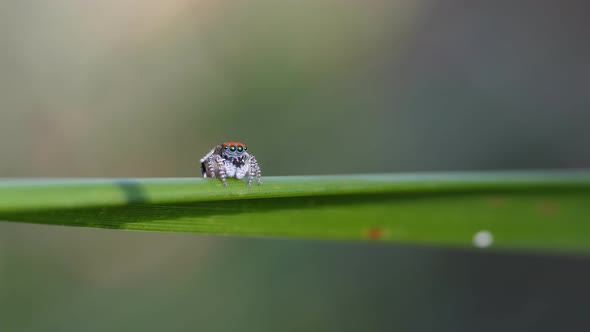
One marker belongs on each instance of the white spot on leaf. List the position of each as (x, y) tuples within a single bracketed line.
[(483, 239)]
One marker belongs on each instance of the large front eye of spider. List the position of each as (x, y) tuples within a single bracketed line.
[(240, 149), (233, 148)]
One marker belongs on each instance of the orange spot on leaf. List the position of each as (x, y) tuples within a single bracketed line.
[(547, 208), (374, 233), (498, 201)]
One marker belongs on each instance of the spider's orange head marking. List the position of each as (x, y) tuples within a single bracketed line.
[(239, 146)]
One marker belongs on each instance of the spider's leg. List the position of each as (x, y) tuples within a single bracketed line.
[(251, 172), (221, 169), (250, 176), (210, 168), (254, 170), (203, 170), (207, 167)]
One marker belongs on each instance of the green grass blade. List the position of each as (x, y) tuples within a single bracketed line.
[(526, 210)]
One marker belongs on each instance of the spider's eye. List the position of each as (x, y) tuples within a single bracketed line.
[(233, 148), (245, 148), (240, 149)]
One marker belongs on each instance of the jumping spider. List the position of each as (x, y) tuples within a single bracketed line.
[(230, 159)]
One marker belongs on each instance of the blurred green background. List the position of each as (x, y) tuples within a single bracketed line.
[(132, 88)]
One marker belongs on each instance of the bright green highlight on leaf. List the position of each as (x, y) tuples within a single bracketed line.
[(519, 210)]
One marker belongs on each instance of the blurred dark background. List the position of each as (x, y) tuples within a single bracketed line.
[(129, 88)]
